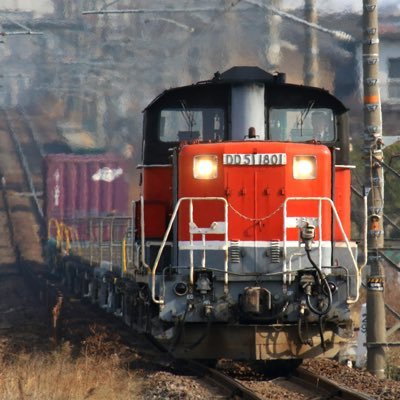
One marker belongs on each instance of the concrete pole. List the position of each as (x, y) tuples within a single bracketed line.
[(311, 66), (373, 152)]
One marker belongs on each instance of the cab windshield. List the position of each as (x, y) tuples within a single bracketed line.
[(301, 125), (183, 124)]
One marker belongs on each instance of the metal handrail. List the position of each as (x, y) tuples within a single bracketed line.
[(339, 222), (57, 226), (108, 248), (191, 223), (142, 235)]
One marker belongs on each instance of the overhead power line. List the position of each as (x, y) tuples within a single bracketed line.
[(11, 33), (339, 35), (26, 30), (155, 10)]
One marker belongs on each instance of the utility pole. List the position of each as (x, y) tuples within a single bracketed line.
[(310, 69), (373, 155)]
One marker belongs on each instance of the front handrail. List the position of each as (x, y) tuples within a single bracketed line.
[(338, 221), (168, 230), (58, 232)]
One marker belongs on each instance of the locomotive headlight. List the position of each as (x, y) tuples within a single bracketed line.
[(304, 167), (205, 167)]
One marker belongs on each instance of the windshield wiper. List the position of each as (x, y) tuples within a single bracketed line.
[(303, 115), (188, 116)]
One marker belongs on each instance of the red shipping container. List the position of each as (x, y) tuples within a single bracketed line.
[(78, 186)]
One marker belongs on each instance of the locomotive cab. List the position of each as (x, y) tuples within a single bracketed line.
[(245, 218)]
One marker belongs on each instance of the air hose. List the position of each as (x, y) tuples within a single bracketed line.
[(307, 341), (180, 328), (321, 282)]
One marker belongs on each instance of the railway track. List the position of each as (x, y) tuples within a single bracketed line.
[(21, 221), (30, 153), (316, 386), (283, 382), (22, 176), (23, 320), (329, 388)]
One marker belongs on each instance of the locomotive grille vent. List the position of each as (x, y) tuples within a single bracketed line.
[(275, 251), (234, 252)]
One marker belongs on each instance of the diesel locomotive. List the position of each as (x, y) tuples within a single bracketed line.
[(239, 245)]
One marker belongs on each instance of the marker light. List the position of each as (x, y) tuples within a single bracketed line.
[(205, 167), (304, 167), (181, 288)]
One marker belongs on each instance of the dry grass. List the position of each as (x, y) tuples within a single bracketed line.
[(59, 375)]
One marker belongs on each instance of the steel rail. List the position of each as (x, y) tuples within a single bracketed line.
[(302, 378), (32, 130), (234, 388), (334, 389), (24, 163), (6, 208)]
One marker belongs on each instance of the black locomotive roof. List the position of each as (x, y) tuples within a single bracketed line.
[(245, 74)]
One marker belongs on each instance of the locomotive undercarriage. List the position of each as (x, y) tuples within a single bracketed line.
[(258, 288), (257, 316), (254, 342), (236, 338), (280, 317)]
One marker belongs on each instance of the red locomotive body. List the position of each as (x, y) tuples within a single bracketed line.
[(253, 215), (256, 193), (251, 193)]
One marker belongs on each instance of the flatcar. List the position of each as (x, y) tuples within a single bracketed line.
[(239, 246)]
